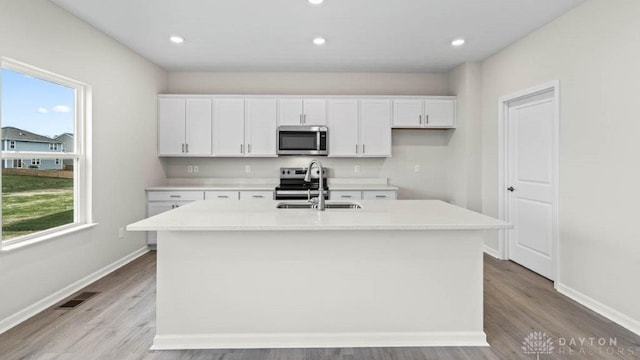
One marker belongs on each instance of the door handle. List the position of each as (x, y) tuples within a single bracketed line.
[(511, 188)]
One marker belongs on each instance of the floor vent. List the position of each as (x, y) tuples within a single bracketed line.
[(77, 300)]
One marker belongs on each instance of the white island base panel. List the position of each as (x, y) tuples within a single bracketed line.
[(312, 289)]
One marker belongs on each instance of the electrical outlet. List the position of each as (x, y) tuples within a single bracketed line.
[(416, 168), (356, 169), (121, 233), (247, 168), (195, 168), (190, 169)]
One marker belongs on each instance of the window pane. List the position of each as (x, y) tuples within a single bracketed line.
[(35, 200), (37, 192), (37, 114)]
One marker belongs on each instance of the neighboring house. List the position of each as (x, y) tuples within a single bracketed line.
[(68, 141), (14, 139)]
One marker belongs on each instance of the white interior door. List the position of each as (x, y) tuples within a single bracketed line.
[(531, 199)]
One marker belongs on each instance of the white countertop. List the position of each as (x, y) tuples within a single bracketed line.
[(263, 215), (337, 184)]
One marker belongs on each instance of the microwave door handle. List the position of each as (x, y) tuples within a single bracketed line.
[(318, 140)]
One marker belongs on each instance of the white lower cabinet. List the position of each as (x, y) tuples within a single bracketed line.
[(256, 195), (379, 195), (163, 200), (221, 195), (347, 195)]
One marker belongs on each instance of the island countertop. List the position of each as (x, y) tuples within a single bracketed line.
[(264, 216)]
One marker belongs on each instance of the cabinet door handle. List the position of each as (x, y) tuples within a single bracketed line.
[(381, 196), (356, 148), (304, 118), (186, 146), (241, 148), (345, 196), (301, 121), (427, 117), (182, 147), (363, 149), (223, 196), (173, 206), (258, 196), (249, 148), (420, 119), (175, 196)]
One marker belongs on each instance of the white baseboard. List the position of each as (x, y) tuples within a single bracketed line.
[(317, 340), (33, 309), (611, 314), (490, 251)]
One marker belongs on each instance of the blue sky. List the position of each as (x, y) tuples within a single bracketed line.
[(36, 105)]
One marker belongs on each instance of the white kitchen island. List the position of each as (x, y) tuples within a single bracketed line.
[(248, 275)]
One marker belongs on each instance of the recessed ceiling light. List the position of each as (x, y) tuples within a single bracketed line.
[(176, 39), (458, 42), (319, 41), (315, 2)]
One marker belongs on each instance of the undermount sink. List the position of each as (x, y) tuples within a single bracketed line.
[(306, 205)]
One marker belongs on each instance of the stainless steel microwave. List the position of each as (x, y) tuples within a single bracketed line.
[(303, 140)]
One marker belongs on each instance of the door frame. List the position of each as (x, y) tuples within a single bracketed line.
[(503, 161)]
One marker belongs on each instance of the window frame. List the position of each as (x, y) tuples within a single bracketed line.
[(81, 156)]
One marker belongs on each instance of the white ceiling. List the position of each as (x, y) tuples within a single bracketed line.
[(276, 35)]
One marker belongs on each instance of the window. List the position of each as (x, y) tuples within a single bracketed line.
[(40, 198)]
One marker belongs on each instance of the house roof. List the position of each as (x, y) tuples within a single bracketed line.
[(62, 136), (12, 133)]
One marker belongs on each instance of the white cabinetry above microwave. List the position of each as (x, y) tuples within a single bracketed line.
[(302, 112), (426, 113)]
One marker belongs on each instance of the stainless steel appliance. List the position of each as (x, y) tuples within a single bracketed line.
[(303, 140), (294, 187)]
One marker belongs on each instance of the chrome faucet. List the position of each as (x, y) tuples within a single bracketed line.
[(307, 178)]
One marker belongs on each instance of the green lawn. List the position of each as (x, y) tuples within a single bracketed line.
[(32, 203)]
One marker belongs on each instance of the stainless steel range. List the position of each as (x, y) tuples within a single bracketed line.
[(293, 187)]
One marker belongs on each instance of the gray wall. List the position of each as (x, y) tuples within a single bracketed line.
[(594, 52), (124, 152)]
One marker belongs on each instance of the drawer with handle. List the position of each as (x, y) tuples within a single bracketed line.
[(158, 195), (256, 195), (345, 195), (221, 195), (378, 195)]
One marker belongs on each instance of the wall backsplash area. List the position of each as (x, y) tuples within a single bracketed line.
[(424, 148)]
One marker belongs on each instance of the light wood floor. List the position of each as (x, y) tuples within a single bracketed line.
[(118, 323)]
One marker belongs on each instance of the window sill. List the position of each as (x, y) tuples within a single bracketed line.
[(28, 242)]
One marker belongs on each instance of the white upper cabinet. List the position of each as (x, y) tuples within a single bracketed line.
[(184, 126), (198, 127), (375, 128), (303, 112), (260, 127), (245, 127), (171, 126), (408, 113), (344, 128), (435, 113), (440, 113), (359, 128), (228, 132)]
